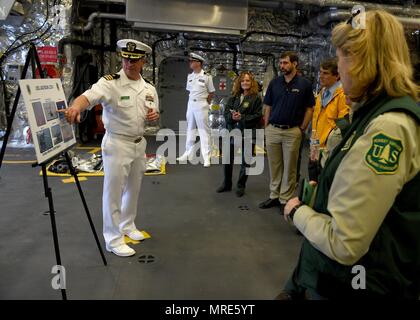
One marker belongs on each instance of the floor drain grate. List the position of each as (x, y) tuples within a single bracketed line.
[(244, 208), (147, 259)]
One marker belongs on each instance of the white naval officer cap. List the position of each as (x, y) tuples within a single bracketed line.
[(196, 57), (133, 49)]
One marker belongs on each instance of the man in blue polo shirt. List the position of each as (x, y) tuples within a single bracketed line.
[(288, 105)]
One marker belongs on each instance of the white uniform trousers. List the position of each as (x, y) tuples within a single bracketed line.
[(197, 117), (124, 166)]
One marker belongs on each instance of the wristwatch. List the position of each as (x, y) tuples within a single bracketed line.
[(293, 211)]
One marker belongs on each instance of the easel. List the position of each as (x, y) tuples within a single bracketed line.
[(33, 58)]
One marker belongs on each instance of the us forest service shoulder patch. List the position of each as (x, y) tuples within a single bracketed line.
[(383, 157)]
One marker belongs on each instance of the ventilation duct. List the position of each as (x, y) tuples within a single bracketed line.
[(13, 12), (5, 8), (212, 16)]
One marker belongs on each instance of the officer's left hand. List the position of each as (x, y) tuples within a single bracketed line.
[(290, 205), (152, 115)]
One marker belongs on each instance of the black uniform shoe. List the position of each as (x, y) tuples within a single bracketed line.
[(240, 192), (269, 203), (223, 188)]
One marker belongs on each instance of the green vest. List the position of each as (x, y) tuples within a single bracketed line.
[(392, 263)]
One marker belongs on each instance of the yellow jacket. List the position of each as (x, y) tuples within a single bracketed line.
[(323, 120)]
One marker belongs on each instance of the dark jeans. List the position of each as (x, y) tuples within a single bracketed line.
[(228, 167)]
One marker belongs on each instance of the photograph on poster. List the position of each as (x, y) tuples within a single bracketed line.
[(51, 133), (56, 134), (44, 140), (60, 106), (39, 114), (50, 110), (67, 131)]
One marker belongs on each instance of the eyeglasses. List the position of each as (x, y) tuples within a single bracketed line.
[(353, 15)]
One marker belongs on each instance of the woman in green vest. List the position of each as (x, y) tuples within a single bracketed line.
[(362, 236)]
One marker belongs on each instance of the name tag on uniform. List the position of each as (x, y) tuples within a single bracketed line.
[(295, 90), (125, 98), (202, 80), (150, 98)]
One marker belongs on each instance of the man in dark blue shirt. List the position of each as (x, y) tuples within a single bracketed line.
[(289, 102)]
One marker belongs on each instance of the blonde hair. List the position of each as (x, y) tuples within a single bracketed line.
[(237, 89), (380, 57)]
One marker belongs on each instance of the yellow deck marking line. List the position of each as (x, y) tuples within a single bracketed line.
[(94, 150), (18, 161), (72, 180), (101, 173), (87, 148), (128, 240)]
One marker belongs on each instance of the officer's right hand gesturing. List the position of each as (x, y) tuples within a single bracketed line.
[(72, 114)]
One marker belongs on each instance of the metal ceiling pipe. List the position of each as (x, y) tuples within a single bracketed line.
[(409, 10), (322, 19), (412, 22), (333, 15), (265, 4), (100, 15), (341, 15)]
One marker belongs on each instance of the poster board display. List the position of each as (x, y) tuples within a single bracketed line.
[(51, 133)]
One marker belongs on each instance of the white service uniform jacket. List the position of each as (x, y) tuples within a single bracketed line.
[(199, 85), (125, 105)]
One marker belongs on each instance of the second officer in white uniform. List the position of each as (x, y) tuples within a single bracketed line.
[(128, 101), (200, 86)]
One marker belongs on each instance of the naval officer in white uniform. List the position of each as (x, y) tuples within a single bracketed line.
[(128, 101), (200, 86)]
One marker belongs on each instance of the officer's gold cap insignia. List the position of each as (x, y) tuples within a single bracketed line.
[(111, 76), (131, 46), (383, 157), (133, 49)]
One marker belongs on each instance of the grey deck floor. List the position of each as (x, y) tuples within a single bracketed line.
[(205, 246)]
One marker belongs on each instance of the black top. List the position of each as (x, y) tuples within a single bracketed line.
[(250, 110), (288, 101)]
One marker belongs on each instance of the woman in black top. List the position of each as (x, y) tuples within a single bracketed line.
[(242, 111)]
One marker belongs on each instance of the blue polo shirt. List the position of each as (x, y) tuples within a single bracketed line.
[(288, 101)]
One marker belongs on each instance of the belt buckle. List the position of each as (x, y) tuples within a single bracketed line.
[(138, 140)]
